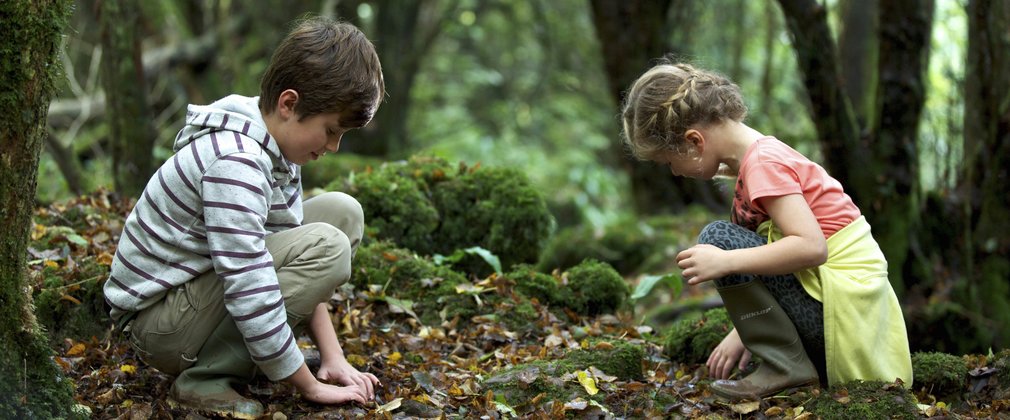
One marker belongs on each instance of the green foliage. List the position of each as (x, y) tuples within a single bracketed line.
[(429, 207), (947, 327), (73, 309), (865, 400), (940, 374), (596, 288), (691, 339)]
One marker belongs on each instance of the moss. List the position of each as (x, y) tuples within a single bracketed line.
[(691, 339), (522, 383), (33, 386), (402, 274), (940, 374), (865, 400), (511, 214), (596, 288), (534, 284), (396, 208), (429, 206)]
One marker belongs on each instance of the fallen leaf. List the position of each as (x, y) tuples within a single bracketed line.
[(745, 407), (131, 369), (577, 404), (76, 350), (389, 407), (773, 411), (588, 382), (394, 358)]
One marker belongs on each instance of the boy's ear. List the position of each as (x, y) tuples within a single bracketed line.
[(286, 102)]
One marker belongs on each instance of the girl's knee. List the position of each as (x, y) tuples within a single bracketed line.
[(718, 233)]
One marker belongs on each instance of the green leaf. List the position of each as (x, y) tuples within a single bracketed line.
[(487, 256), (400, 305), (77, 239), (648, 282), (484, 254)]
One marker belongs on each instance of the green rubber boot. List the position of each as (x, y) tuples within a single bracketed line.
[(208, 385), (768, 333)]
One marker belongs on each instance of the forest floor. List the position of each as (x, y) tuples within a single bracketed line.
[(426, 371)]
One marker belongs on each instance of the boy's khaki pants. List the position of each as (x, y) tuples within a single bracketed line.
[(310, 260)]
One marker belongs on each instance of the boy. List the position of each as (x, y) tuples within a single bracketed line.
[(219, 266)]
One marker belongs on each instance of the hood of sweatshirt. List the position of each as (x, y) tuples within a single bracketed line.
[(240, 114)]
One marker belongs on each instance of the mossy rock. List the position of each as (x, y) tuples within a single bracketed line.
[(520, 384), (940, 374), (396, 208), (865, 400), (692, 338), (434, 289), (497, 209), (596, 288), (534, 284), (431, 207), (404, 275)]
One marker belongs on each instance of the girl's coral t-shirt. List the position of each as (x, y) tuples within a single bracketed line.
[(770, 168)]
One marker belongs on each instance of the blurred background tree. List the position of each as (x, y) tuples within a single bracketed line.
[(877, 91)]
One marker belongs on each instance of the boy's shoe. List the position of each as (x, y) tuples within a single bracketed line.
[(768, 333), (217, 398)]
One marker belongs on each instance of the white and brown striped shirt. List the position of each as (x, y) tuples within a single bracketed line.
[(209, 207)]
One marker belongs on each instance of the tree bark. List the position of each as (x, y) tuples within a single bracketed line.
[(857, 48), (987, 167), (845, 153), (31, 386), (904, 59), (632, 34), (404, 31), (131, 127)]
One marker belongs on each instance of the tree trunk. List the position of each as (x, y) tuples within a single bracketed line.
[(404, 33), (857, 49), (632, 35), (31, 384), (987, 167), (904, 59), (879, 168), (131, 128), (845, 154)]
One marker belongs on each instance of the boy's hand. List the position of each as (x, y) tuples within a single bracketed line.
[(331, 394), (703, 263), (341, 372)]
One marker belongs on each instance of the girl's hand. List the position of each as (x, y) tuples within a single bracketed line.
[(703, 263), (728, 353), (341, 372)]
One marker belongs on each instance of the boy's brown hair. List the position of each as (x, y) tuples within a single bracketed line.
[(332, 66)]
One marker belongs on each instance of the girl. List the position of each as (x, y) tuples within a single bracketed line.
[(802, 279)]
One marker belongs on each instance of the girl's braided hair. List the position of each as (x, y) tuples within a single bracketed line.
[(671, 98)]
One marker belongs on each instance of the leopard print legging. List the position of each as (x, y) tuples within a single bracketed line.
[(806, 312)]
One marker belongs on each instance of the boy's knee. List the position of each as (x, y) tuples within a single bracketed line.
[(337, 254), (717, 233), (343, 211)]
